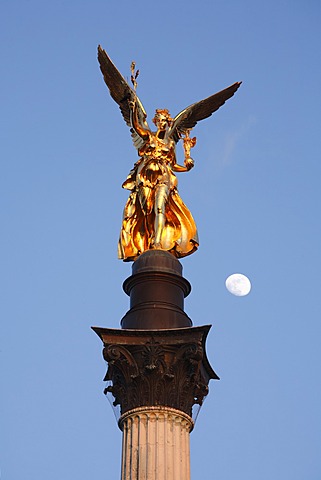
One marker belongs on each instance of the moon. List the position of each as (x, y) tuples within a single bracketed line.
[(238, 284)]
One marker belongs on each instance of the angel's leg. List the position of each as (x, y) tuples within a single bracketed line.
[(161, 196)]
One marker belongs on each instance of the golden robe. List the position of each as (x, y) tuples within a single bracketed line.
[(152, 178), (155, 215)]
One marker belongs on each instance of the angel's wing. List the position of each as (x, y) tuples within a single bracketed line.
[(122, 93), (189, 117)]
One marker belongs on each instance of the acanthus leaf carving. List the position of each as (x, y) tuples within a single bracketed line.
[(156, 372)]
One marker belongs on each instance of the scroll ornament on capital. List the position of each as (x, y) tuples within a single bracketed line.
[(157, 374), (155, 216)]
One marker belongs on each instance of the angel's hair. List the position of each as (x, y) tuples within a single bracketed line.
[(165, 113)]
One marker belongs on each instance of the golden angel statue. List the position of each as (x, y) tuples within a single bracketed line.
[(155, 217)]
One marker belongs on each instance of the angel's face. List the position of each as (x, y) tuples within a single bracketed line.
[(161, 122)]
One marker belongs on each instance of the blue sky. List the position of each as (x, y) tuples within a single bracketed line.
[(255, 195)]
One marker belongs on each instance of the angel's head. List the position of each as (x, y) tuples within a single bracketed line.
[(162, 119)]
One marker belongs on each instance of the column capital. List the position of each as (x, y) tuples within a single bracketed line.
[(157, 368)]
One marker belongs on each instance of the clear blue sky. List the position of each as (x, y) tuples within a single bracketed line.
[(255, 195)]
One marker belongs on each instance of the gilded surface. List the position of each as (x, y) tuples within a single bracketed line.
[(155, 215)]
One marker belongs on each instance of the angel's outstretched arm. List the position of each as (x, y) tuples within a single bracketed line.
[(189, 164), (142, 132)]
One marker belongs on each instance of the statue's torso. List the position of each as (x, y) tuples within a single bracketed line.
[(157, 156)]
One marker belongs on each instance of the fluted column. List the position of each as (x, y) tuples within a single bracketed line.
[(155, 444)]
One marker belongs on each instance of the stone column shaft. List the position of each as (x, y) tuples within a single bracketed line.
[(155, 444)]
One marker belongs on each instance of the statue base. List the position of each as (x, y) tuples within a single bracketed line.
[(157, 290)]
